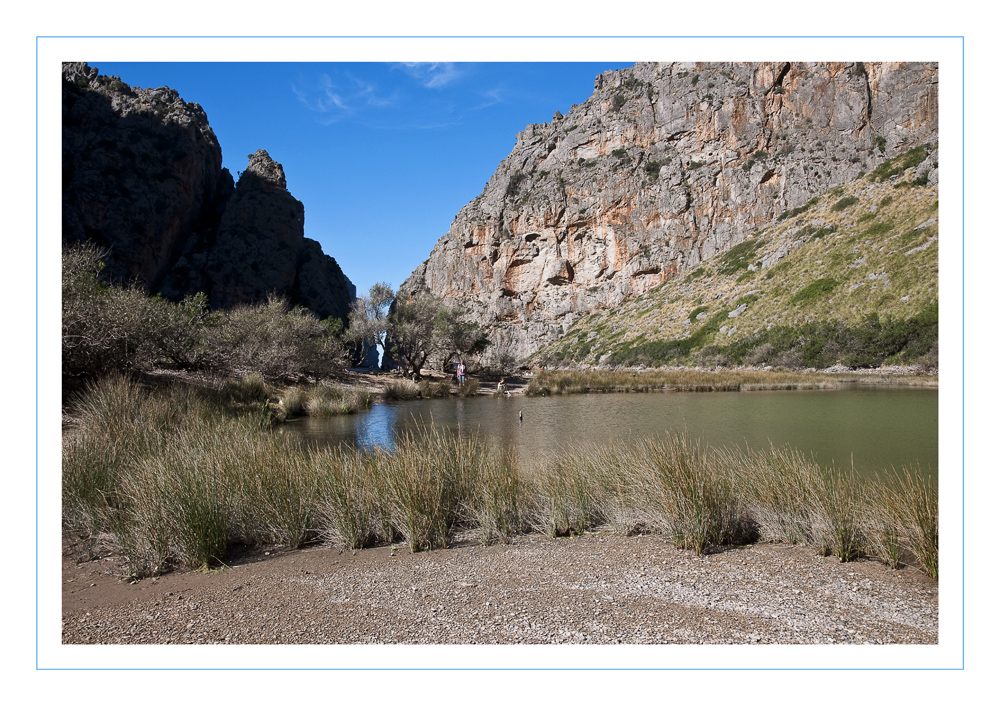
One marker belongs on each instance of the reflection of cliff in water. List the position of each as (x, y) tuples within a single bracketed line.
[(872, 429)]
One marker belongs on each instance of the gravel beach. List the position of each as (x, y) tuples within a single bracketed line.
[(594, 589)]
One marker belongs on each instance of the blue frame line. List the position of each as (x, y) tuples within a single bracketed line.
[(38, 38)]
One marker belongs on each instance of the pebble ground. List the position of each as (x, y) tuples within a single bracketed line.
[(594, 589)]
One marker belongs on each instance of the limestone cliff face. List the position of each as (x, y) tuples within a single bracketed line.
[(665, 165), (143, 178)]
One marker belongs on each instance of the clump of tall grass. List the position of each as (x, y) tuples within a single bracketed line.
[(324, 400), (401, 389), (332, 400), (567, 494), (837, 525), (427, 389), (903, 516), (293, 401), (469, 388), (434, 481), (693, 498), (500, 505), (347, 505), (249, 389), (778, 484)]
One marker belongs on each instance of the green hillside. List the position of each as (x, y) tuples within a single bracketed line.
[(850, 279)]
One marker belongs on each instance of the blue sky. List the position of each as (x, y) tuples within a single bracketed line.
[(383, 156)]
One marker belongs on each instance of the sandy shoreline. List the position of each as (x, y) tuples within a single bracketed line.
[(595, 589)]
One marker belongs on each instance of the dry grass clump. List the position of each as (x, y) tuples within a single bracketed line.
[(332, 400), (404, 389), (401, 389), (175, 477), (324, 400), (902, 518), (469, 388), (428, 389)]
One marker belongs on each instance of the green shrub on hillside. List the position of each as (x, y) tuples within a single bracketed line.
[(654, 353), (815, 290), (693, 316), (898, 165), (514, 183), (871, 343), (653, 169), (739, 257), (844, 203), (801, 209)]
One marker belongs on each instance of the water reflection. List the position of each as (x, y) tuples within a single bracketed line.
[(869, 428)]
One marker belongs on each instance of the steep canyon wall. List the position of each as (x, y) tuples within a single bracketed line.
[(664, 166)]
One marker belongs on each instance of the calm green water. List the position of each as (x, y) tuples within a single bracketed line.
[(873, 428)]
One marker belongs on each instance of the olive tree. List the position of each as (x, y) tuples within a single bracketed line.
[(368, 319), (457, 338), (424, 326)]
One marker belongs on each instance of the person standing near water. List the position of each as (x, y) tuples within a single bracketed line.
[(461, 372)]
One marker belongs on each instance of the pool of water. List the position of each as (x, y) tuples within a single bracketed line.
[(867, 428)]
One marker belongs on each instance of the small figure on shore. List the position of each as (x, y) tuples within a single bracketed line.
[(502, 388), (461, 372)]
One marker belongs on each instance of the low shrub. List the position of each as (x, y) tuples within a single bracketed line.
[(106, 327), (844, 203)]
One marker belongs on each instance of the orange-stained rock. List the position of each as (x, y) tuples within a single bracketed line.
[(664, 166)]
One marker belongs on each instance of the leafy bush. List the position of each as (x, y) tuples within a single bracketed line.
[(108, 328), (693, 316), (275, 340)]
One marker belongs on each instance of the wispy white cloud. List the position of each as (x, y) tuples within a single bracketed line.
[(493, 96), (432, 74), (337, 99)]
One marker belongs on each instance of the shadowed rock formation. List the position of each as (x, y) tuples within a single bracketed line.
[(143, 178)]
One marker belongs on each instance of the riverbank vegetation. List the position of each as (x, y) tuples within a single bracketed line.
[(177, 475), (564, 382)]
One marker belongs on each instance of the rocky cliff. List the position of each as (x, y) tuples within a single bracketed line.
[(143, 178), (664, 166)]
